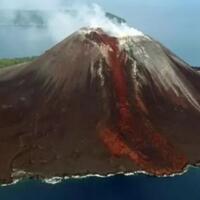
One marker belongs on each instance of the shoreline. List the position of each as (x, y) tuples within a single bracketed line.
[(56, 179)]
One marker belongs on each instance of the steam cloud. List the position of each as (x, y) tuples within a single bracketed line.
[(22, 41), (62, 24)]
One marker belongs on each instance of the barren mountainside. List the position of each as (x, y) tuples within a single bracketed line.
[(97, 104)]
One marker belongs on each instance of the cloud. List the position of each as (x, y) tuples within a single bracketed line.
[(30, 4), (60, 23)]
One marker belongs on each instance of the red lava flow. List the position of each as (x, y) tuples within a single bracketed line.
[(133, 135)]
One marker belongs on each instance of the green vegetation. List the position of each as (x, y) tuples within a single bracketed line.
[(5, 62)]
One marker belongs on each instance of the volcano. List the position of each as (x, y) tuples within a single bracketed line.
[(99, 104)]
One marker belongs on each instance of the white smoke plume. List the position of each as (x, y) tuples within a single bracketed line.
[(59, 23)]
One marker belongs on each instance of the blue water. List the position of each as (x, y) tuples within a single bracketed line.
[(138, 187)]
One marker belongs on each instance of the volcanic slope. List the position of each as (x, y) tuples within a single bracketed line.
[(98, 104)]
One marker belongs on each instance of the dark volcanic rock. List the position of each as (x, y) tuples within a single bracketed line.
[(99, 104)]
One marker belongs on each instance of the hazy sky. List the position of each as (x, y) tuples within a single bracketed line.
[(173, 22)]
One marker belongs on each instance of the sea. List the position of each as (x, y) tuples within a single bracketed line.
[(20, 42), (119, 187)]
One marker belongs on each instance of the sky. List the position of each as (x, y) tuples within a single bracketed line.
[(175, 23)]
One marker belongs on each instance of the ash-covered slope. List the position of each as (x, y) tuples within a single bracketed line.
[(99, 104)]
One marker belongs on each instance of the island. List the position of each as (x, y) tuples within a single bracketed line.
[(99, 104)]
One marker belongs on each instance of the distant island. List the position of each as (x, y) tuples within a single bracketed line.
[(6, 62)]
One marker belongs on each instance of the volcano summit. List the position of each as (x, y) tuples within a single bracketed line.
[(99, 104)]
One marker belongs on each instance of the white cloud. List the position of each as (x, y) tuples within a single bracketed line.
[(30, 4), (60, 24)]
